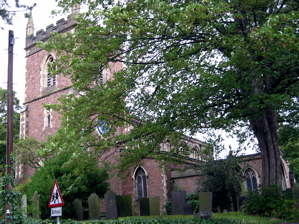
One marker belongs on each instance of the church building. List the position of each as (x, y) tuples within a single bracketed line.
[(148, 180)]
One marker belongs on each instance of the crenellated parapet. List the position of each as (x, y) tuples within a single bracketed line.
[(61, 26)]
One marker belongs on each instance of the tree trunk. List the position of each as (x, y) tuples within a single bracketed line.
[(264, 126)]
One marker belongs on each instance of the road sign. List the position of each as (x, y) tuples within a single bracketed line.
[(57, 211), (56, 199)]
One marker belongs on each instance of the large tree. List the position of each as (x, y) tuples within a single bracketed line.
[(188, 66)]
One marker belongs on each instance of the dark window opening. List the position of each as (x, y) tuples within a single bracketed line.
[(251, 181), (49, 121), (141, 183), (51, 80)]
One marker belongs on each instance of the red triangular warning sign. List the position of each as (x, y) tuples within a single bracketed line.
[(56, 199)]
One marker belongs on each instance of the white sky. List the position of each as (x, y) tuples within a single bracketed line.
[(41, 18)]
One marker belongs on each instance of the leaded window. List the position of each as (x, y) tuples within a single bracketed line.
[(251, 181), (141, 183)]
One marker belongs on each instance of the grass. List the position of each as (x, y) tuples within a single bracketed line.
[(235, 216), (241, 217)]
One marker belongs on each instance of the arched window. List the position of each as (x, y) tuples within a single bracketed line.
[(48, 81), (51, 80), (140, 178), (196, 152), (251, 180), (47, 119), (183, 149)]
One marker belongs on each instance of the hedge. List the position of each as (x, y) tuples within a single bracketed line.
[(136, 220)]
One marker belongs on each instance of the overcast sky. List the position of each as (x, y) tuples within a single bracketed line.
[(41, 18)]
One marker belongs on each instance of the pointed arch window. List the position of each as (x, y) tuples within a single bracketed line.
[(48, 80), (251, 180), (51, 80), (196, 152), (47, 119), (140, 178)]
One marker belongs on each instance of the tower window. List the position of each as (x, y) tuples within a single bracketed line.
[(51, 80), (48, 80), (49, 121)]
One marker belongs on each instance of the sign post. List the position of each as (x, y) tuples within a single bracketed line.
[(56, 202)]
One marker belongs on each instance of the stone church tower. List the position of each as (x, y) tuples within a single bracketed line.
[(40, 87)]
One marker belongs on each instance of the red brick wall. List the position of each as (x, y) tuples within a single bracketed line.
[(36, 118), (254, 162), (188, 184), (156, 185)]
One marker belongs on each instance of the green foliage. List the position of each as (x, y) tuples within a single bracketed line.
[(193, 199), (12, 197), (289, 144), (138, 220), (189, 66), (77, 178), (271, 202), (3, 126), (244, 218), (6, 13), (223, 178), (31, 152)]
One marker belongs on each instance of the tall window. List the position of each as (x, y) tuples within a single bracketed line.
[(140, 178), (47, 119), (251, 181), (51, 80), (48, 81)]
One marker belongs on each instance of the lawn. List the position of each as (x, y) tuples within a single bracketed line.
[(238, 216)]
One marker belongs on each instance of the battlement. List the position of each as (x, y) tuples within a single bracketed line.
[(61, 26)]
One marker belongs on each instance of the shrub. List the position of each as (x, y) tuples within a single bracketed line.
[(138, 220), (76, 178), (12, 197), (193, 199), (270, 202), (223, 178)]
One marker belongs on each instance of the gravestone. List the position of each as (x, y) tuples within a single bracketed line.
[(111, 206), (124, 205), (154, 204), (94, 207), (77, 205), (144, 206), (149, 206), (296, 193), (24, 205), (178, 199), (205, 205), (188, 209), (36, 205)]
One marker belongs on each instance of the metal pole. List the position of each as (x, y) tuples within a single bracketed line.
[(58, 220), (9, 136)]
